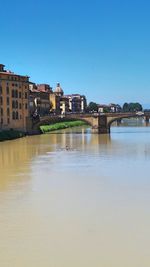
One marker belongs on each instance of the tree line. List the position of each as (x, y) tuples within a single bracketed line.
[(127, 107), (132, 107)]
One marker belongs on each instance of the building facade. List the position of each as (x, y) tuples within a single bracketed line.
[(58, 90), (22, 100), (39, 99), (109, 108), (45, 88), (14, 100), (77, 103), (54, 103), (64, 105)]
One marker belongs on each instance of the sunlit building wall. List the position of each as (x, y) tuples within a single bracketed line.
[(14, 100)]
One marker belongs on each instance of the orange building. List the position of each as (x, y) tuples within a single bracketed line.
[(14, 97)]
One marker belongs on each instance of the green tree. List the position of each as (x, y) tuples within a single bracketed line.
[(132, 107), (138, 107), (106, 109), (125, 107), (92, 106)]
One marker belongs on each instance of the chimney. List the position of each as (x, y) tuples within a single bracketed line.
[(2, 68)]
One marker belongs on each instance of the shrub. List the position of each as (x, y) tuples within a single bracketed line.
[(60, 125)]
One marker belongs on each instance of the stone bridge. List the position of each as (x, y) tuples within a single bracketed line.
[(100, 123)]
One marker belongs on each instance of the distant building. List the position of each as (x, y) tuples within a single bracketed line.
[(102, 108), (44, 88), (14, 100), (39, 99), (21, 99), (115, 107), (61, 104), (64, 105), (58, 90), (77, 103), (54, 103)]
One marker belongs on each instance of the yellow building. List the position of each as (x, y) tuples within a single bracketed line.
[(55, 100), (14, 96), (54, 103)]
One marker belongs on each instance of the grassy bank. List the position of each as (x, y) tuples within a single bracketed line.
[(61, 125), (10, 135)]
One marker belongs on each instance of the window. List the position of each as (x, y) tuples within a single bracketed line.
[(26, 106), (13, 93), (19, 94), (8, 120), (13, 104), (13, 115), (26, 95), (1, 100), (8, 101), (7, 90), (1, 90), (1, 112), (20, 106), (16, 104), (16, 94), (8, 112), (17, 115)]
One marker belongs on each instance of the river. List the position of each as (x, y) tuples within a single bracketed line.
[(86, 205)]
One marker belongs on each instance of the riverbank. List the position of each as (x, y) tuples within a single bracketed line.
[(10, 135), (61, 125)]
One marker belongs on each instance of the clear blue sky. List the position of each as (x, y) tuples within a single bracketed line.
[(97, 48)]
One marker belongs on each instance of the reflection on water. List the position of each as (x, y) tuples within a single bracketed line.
[(83, 206)]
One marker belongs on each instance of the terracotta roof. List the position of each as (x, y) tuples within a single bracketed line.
[(13, 74)]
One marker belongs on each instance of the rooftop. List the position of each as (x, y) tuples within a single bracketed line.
[(8, 72)]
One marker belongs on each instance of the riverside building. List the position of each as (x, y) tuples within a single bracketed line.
[(56, 100), (74, 103), (77, 103), (39, 99), (14, 95)]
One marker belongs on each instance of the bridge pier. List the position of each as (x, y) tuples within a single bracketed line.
[(100, 125), (30, 127), (101, 131)]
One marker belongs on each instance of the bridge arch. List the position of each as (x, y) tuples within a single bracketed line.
[(110, 120), (48, 120)]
